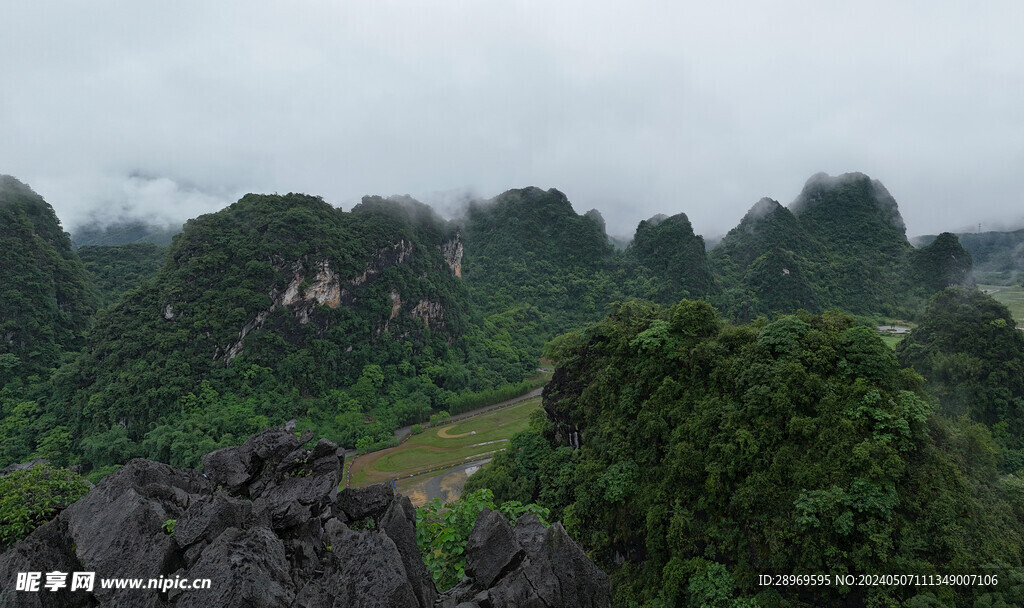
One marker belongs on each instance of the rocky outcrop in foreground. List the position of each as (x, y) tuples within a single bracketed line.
[(267, 525)]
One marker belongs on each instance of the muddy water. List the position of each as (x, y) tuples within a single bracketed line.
[(447, 486)]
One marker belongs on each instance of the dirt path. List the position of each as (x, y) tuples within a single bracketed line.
[(402, 432), (444, 434)]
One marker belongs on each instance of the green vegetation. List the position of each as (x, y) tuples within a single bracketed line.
[(841, 244), (123, 233), (31, 497), (998, 257), (891, 341), (277, 307), (942, 263), (972, 358), (709, 454), (442, 531), (442, 445), (116, 270), (536, 268), (686, 453), (767, 263), (45, 303), (667, 261), (1010, 296)]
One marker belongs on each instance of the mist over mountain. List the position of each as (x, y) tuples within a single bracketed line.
[(672, 258), (942, 263), (536, 266), (840, 244), (115, 270), (998, 257), (356, 323), (122, 233), (765, 260)]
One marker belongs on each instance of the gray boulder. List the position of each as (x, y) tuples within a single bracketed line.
[(399, 523), (529, 566), (372, 501), (267, 527), (247, 568), (364, 570)]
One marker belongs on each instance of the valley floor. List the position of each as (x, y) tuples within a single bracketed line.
[(1010, 296), (435, 463)]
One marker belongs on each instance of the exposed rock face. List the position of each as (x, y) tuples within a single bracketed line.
[(268, 527), (452, 252), (431, 313), (528, 566), (322, 287)]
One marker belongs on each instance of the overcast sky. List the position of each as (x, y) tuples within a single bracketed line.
[(178, 108)]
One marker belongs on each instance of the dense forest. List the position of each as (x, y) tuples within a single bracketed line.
[(117, 269), (691, 455), (123, 232), (714, 415), (841, 244)]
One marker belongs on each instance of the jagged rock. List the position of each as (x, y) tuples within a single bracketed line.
[(46, 545), (117, 529), (528, 566), (581, 582), (230, 467), (361, 503), (399, 523), (266, 525), (530, 532), (492, 549), (247, 567), (365, 570), (21, 466), (208, 516), (260, 467)]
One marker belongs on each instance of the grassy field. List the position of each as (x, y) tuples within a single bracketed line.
[(447, 444), (891, 337), (1011, 296), (891, 341)]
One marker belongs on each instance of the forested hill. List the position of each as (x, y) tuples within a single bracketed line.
[(766, 263), (45, 302), (998, 256), (535, 266), (122, 233), (281, 307), (358, 322), (114, 270), (667, 262), (689, 456), (841, 244)]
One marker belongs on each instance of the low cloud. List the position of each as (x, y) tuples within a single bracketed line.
[(662, 108)]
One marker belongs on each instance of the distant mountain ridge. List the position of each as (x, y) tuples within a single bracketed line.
[(841, 243), (362, 321), (123, 233), (998, 256)]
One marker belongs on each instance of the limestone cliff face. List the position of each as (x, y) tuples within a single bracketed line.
[(319, 285), (324, 288), (452, 251), (300, 297), (429, 312)]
